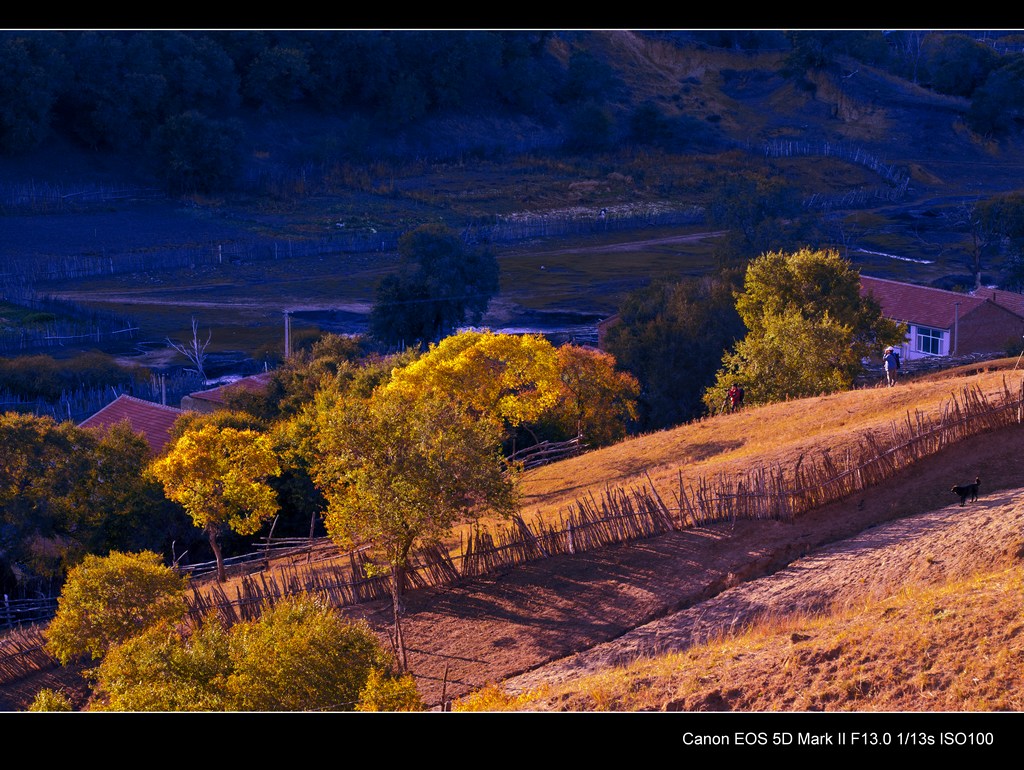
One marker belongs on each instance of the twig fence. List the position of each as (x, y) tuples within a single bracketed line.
[(45, 197), (22, 652), (621, 514), (897, 179), (546, 452), (617, 515)]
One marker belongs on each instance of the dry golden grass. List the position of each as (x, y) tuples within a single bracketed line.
[(772, 434), (956, 647), (725, 444)]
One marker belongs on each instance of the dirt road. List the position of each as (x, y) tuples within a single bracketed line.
[(556, 617)]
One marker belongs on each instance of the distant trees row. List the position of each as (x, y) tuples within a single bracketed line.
[(176, 94), (952, 63)]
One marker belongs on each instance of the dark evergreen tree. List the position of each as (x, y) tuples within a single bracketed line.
[(671, 336), (442, 283)]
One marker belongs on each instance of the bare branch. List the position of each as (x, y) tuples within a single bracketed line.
[(194, 351)]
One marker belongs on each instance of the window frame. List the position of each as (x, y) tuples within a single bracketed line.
[(926, 337)]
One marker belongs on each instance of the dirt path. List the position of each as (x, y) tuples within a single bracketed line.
[(517, 622), (924, 549)]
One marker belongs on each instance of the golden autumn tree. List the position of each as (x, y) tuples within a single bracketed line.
[(300, 654), (596, 400), (107, 600), (219, 475), (509, 379)]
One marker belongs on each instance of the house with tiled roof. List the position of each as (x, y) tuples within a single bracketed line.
[(153, 421), (213, 399), (948, 323)]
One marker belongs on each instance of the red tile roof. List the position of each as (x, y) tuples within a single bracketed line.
[(919, 304), (254, 383), (1010, 300), (152, 420)]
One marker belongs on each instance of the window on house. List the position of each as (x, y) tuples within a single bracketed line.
[(929, 340)]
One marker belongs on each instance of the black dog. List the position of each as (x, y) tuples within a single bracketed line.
[(967, 490)]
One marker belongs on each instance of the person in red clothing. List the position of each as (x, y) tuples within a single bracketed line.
[(734, 398)]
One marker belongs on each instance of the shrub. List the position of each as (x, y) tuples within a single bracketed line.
[(108, 600), (51, 700)]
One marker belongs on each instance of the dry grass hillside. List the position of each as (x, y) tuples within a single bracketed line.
[(776, 434), (874, 602), (559, 632)]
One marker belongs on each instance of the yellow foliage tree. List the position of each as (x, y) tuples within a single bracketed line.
[(299, 655), (219, 475), (596, 400), (399, 472), (511, 379), (109, 599)]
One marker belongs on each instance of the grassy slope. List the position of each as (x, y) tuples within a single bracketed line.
[(954, 647), (852, 659), (766, 435)]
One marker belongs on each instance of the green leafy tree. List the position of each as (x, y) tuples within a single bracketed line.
[(790, 357), (820, 49), (442, 283), (109, 599), (299, 655), (119, 86), (808, 329), (66, 491), (277, 78), (42, 499), (957, 64), (760, 213), (997, 104), (32, 74), (127, 510), (200, 75), (589, 79), (160, 669), (589, 129), (399, 472), (1003, 215), (219, 475)]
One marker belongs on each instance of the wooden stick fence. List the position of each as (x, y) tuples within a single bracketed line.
[(621, 515), (22, 652)]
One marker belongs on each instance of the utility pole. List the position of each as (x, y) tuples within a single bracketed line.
[(956, 327), (287, 335)]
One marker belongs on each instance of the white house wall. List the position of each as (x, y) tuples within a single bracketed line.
[(909, 351)]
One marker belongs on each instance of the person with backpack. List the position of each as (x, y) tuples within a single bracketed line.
[(891, 363)]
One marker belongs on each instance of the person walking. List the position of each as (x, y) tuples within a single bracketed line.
[(891, 363)]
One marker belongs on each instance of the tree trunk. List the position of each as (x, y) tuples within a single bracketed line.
[(215, 546), (397, 590)]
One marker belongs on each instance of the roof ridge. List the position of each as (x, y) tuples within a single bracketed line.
[(925, 288), (143, 401)]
